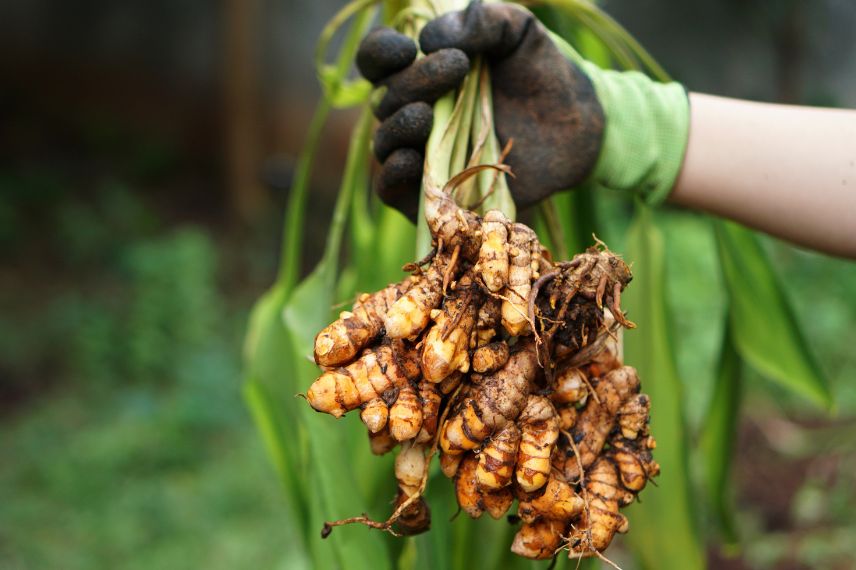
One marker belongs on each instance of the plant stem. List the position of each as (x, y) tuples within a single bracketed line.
[(292, 231), (358, 151), (554, 228)]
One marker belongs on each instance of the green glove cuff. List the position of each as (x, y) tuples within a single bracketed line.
[(646, 131)]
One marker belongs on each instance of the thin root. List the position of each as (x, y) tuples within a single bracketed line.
[(522, 314), (536, 287), (607, 560), (465, 174), (416, 266), (591, 389), (460, 315), (363, 519), (601, 289), (387, 524), (615, 307), (582, 483), (585, 354), (492, 188), (450, 268)]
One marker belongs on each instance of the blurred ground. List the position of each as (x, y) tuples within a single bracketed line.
[(134, 237)]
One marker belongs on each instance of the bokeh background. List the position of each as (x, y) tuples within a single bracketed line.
[(146, 153)]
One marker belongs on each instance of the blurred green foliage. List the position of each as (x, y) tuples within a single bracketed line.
[(123, 438)]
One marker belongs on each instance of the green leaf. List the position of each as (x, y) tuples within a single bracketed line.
[(333, 78), (719, 437), (408, 558), (578, 217), (273, 431), (310, 304), (626, 50), (268, 392), (393, 245), (592, 48), (292, 229), (332, 494), (332, 490), (663, 526), (343, 94), (765, 330), (330, 487)]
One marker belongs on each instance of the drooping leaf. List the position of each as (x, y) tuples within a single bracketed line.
[(624, 48), (334, 493), (393, 246), (592, 48), (270, 383), (719, 438), (663, 526), (268, 392), (764, 328), (331, 490)]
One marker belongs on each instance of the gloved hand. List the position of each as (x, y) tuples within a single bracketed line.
[(571, 121)]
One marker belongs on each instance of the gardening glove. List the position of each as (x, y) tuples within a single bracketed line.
[(571, 122)]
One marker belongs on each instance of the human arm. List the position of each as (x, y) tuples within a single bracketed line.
[(785, 170), (782, 170)]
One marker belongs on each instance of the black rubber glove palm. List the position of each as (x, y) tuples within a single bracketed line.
[(541, 100)]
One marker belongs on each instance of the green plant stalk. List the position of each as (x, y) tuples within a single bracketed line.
[(464, 109), (333, 78), (436, 168), (663, 526), (624, 46), (292, 230), (462, 120), (292, 235), (343, 64), (492, 186), (357, 159), (325, 273), (451, 140)]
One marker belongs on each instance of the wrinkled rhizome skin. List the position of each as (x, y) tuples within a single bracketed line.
[(508, 366)]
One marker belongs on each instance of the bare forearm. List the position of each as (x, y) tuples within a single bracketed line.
[(788, 171)]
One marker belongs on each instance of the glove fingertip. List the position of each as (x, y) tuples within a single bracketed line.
[(446, 31), (398, 182), (426, 80), (493, 29), (383, 52), (409, 127)]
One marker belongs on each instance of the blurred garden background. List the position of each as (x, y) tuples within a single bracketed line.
[(146, 154)]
